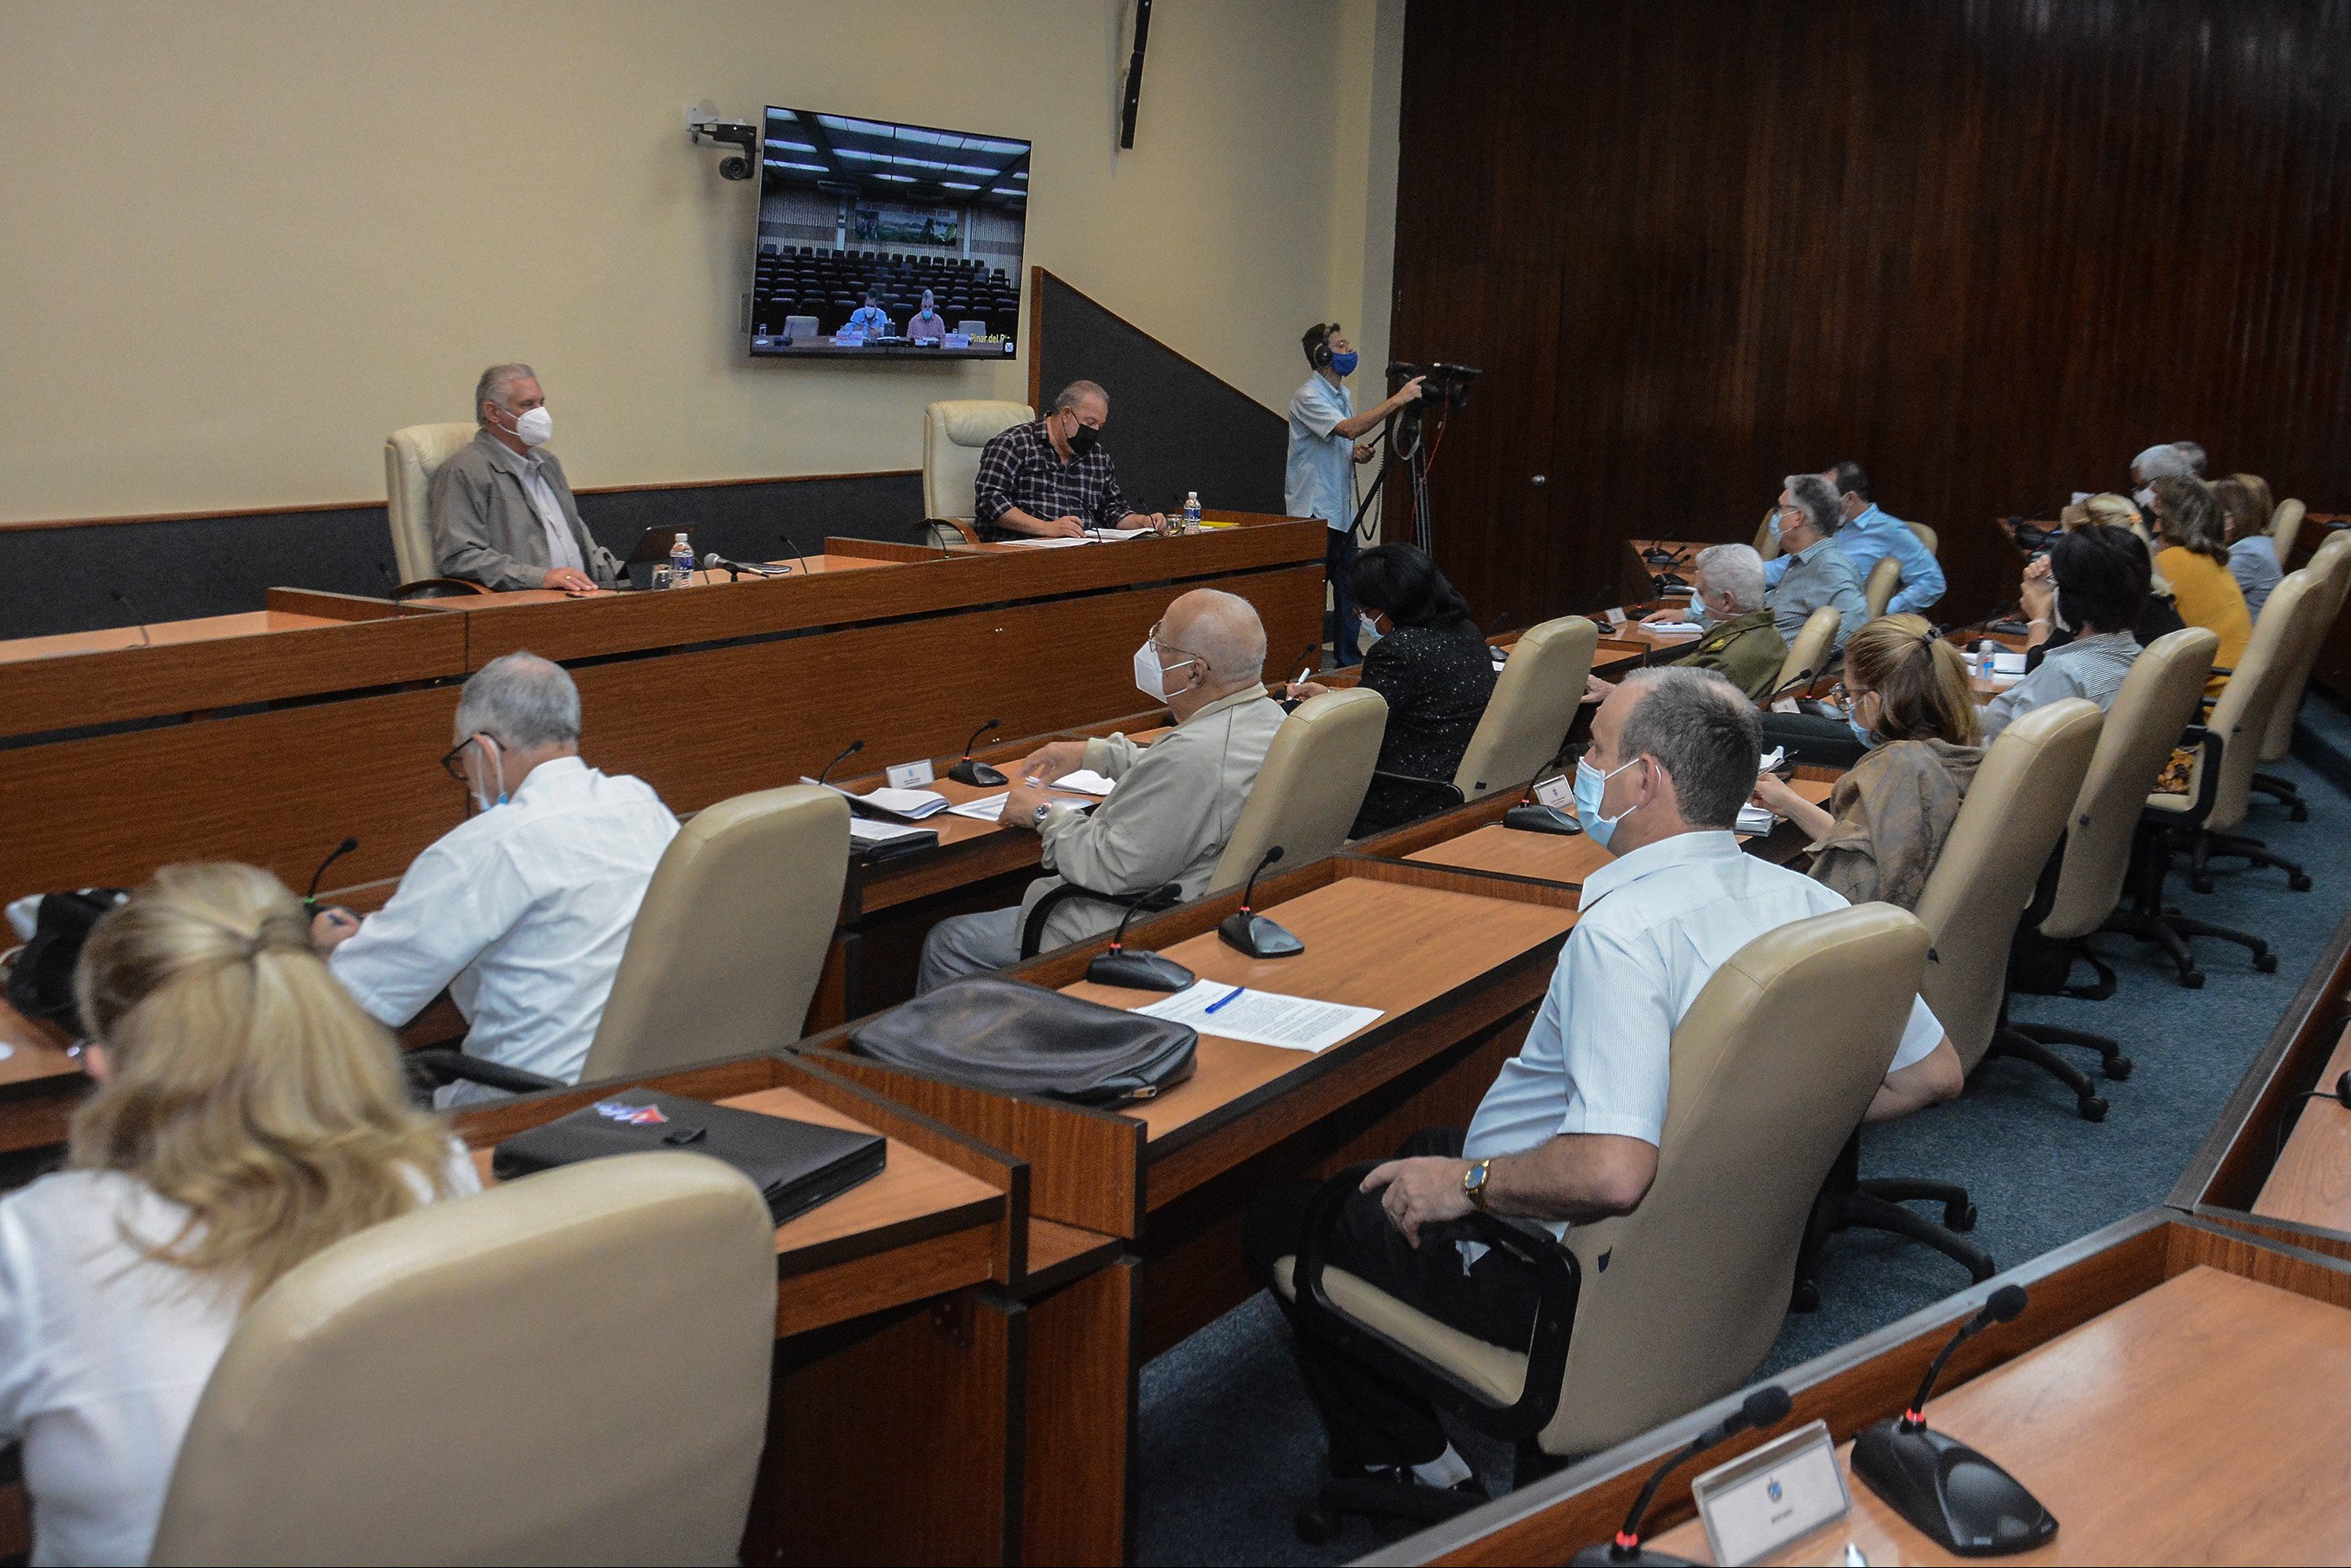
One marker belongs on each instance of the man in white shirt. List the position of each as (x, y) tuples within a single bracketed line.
[(502, 512), (1569, 1133), (1325, 444), (522, 910)]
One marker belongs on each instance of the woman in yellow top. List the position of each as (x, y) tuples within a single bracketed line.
[(2195, 560)]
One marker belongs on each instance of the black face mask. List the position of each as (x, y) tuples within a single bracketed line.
[(1082, 439)]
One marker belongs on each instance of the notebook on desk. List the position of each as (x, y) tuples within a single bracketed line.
[(795, 1164)]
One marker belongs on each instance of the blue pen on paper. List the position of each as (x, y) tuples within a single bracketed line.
[(1229, 996)]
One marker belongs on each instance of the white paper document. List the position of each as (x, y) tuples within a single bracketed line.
[(2005, 662), (912, 804), (986, 809), (1084, 781), (1756, 819), (1263, 1018), (1674, 627), (865, 830)]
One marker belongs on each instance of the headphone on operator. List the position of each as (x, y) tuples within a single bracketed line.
[(1316, 343)]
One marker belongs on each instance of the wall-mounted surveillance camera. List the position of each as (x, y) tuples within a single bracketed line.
[(703, 122)]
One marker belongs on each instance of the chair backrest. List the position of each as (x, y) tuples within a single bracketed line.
[(2332, 564), (802, 326), (1877, 593), (726, 946), (2285, 522), (1310, 786), (972, 329), (1773, 1066), (1976, 896), (953, 434), (1928, 537), (568, 1368), (1808, 655), (2242, 715), (2157, 700), (411, 458), (1535, 698)]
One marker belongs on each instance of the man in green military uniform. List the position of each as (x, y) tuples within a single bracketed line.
[(1741, 642)]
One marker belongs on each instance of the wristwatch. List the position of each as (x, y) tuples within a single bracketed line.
[(1036, 817), (1473, 1185)]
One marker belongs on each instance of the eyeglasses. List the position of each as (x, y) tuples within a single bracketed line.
[(452, 761), (1170, 647)]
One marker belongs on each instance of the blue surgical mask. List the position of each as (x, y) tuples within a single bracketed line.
[(1776, 527), (1367, 631), (1344, 363), (1591, 784), (1868, 738)]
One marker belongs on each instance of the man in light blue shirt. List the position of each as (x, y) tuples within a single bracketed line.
[(1870, 534), (1324, 447), (1817, 573), (869, 318), (1570, 1132)]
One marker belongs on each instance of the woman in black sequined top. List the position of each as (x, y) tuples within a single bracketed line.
[(1429, 663)]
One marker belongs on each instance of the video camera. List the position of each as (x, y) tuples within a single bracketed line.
[(1443, 383)]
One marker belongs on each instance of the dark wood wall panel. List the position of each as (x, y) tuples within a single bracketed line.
[(1990, 249)]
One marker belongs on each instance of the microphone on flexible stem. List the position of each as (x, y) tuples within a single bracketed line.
[(1310, 659), (310, 895), (734, 570), (124, 600), (1499, 623), (940, 528), (970, 772), (796, 551), (1259, 935), (852, 749), (1533, 816), (1957, 1496), (1140, 971), (1767, 1406)]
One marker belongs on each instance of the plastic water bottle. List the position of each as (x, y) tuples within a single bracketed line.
[(681, 562), (1191, 509), (1984, 661)]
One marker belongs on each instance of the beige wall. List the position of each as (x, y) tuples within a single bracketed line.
[(244, 239)]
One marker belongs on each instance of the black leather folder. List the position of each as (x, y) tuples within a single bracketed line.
[(795, 1164)]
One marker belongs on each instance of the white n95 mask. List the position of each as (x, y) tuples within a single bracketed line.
[(535, 428), (1150, 674)]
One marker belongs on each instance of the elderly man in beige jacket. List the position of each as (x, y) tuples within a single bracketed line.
[(1176, 800)]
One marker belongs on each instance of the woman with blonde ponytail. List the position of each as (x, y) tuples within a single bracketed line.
[(248, 1115)]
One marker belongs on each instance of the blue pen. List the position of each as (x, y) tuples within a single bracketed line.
[(1229, 996)]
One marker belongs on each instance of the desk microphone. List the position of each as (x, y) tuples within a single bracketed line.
[(970, 772), (1259, 935), (1532, 816), (124, 600), (852, 749), (1140, 971), (796, 551), (310, 895), (735, 570), (939, 528), (1767, 1406), (1499, 623), (1310, 661), (1954, 1494)]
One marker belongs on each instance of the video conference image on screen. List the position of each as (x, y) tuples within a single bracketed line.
[(883, 240)]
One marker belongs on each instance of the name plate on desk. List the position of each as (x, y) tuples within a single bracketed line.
[(1762, 1501)]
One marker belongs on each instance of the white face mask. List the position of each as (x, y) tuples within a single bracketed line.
[(1367, 631), (2144, 496), (536, 427), (1150, 674)]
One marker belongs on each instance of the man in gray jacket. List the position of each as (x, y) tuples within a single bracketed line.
[(502, 512), (1176, 803)]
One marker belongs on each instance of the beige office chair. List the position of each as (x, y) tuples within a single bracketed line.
[(2159, 699), (1808, 656), (2239, 721), (2332, 563), (1310, 786), (1884, 577), (1660, 1311), (411, 458), (798, 328), (725, 950), (1928, 537), (953, 434), (568, 1368), (1307, 792), (2285, 523), (1535, 700)]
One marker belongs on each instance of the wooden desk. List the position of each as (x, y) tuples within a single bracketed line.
[(894, 1414), (2169, 1393), (1171, 1177), (2311, 1183), (40, 1082)]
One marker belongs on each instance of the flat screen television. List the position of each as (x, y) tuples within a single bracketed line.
[(861, 219)]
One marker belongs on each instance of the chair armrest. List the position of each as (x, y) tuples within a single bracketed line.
[(454, 1066), (1032, 930), (1560, 1283)]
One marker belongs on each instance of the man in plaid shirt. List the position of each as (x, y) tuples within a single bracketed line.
[(1051, 479)]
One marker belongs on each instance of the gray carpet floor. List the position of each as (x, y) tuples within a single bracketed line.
[(1230, 1446)]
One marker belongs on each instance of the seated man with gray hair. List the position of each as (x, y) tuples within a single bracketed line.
[(1808, 514), (1176, 803), (1743, 643), (502, 512), (522, 910), (1051, 478), (2164, 460), (1569, 1134)]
